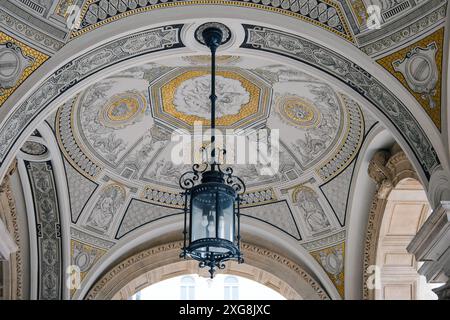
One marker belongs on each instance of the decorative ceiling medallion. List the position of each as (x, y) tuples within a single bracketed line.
[(180, 98), (191, 96), (420, 71), (332, 260), (123, 109), (17, 62), (34, 148), (298, 111), (226, 32), (419, 68), (84, 256), (186, 97), (311, 120), (12, 64)]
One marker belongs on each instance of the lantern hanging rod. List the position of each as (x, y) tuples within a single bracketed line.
[(212, 192), (213, 38)]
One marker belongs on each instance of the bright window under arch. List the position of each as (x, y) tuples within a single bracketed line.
[(195, 287)]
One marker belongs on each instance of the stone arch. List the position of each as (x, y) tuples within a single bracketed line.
[(169, 230), (187, 267), (292, 280), (388, 169)]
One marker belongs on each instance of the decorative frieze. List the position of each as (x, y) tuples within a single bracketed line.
[(48, 230)]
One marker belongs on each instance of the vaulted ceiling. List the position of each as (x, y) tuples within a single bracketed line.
[(89, 111)]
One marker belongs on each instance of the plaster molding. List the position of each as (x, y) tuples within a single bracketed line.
[(62, 192), (32, 35), (439, 187), (385, 41), (431, 244)]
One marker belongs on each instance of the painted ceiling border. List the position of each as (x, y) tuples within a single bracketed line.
[(280, 9)]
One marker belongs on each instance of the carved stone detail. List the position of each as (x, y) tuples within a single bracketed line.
[(387, 168), (9, 216), (380, 173), (431, 245)]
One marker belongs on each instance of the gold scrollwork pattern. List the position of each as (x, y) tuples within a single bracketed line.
[(17, 62), (422, 72)]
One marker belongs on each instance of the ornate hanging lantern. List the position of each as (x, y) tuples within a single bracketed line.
[(212, 194)]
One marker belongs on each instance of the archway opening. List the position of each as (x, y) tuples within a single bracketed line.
[(406, 210), (195, 287)]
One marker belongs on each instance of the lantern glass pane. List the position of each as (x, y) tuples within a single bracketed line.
[(225, 218), (212, 217)]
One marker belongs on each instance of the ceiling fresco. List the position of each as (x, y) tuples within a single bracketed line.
[(41, 28), (123, 124), (115, 137)]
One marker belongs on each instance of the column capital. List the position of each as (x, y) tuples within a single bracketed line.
[(389, 167)]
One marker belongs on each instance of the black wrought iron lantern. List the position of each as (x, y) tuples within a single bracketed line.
[(212, 194)]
